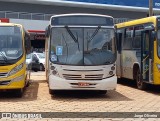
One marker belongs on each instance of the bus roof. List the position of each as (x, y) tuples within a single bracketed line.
[(9, 24), (85, 14), (138, 21)]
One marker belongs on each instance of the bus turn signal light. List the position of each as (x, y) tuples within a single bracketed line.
[(158, 66)]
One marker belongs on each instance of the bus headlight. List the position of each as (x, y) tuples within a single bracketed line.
[(54, 71), (111, 73), (113, 68), (158, 66), (16, 69), (19, 78)]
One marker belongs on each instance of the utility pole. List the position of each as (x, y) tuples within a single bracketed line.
[(150, 7)]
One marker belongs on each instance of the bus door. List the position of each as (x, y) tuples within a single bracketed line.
[(146, 55), (119, 48)]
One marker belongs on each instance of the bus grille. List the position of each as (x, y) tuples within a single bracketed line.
[(83, 77), (5, 82), (4, 74)]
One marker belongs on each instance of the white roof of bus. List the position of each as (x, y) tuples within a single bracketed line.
[(72, 14), (9, 24)]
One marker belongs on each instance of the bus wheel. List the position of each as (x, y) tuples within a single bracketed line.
[(19, 92), (102, 92), (140, 84)]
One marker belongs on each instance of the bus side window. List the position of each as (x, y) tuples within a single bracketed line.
[(146, 48), (127, 43), (137, 37)]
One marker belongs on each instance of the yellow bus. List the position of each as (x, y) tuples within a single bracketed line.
[(138, 43), (14, 45)]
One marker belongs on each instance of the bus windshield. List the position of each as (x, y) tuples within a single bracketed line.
[(10, 43), (82, 46)]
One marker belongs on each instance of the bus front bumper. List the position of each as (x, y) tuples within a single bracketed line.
[(57, 83)]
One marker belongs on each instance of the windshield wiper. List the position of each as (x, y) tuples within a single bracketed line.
[(72, 35), (94, 34), (4, 57)]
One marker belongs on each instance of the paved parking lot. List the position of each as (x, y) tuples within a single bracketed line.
[(126, 98)]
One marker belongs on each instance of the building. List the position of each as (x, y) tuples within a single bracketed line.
[(35, 14)]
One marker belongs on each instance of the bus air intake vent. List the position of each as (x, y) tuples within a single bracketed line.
[(5, 82), (83, 77), (82, 70), (71, 77), (3, 74), (94, 77)]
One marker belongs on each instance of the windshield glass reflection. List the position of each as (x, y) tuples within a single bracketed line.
[(10, 43), (83, 46)]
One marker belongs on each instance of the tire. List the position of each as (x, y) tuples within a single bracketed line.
[(41, 67), (19, 92), (102, 92), (140, 84)]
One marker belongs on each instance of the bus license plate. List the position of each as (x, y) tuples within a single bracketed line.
[(83, 84)]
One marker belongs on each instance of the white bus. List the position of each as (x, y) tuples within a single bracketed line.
[(81, 53)]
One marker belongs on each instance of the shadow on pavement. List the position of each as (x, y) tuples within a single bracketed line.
[(30, 93), (89, 96), (154, 89), (127, 82)]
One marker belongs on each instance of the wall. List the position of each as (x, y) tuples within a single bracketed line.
[(31, 24), (50, 9)]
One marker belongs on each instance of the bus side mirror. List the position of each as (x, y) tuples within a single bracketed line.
[(119, 41), (27, 44), (47, 32), (153, 35)]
